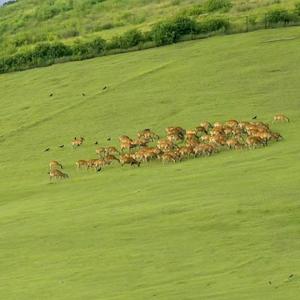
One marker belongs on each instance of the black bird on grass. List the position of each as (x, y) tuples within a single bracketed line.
[(51, 95), (108, 139), (96, 143), (46, 150), (104, 88), (83, 94), (98, 170), (61, 146), (291, 275), (255, 117)]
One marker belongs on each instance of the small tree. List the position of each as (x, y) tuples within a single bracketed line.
[(279, 16), (297, 9)]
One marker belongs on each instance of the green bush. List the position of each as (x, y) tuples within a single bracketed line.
[(170, 31), (297, 9), (216, 5), (39, 55), (129, 39), (51, 51), (90, 48), (213, 24), (279, 16)]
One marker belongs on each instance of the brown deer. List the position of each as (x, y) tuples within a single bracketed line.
[(54, 164), (77, 142), (57, 174), (280, 118)]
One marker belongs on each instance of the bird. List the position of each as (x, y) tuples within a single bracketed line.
[(270, 282), (61, 146), (51, 95), (291, 275), (46, 150), (96, 143), (255, 117), (108, 139), (98, 170), (83, 94), (104, 88)]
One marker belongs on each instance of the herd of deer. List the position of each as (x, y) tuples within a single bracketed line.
[(179, 144)]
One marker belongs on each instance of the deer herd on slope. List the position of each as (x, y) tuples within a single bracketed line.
[(178, 144)]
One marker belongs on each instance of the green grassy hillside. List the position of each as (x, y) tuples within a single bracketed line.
[(27, 22), (223, 227)]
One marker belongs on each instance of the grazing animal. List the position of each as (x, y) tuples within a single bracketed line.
[(111, 151), (97, 163), (191, 135), (204, 149), (165, 145), (125, 138), (147, 134), (232, 123), (175, 133), (101, 151), (54, 164), (126, 159), (127, 145), (206, 125), (57, 174), (110, 158), (254, 141), (186, 151), (202, 129), (276, 136), (168, 157), (280, 118), (77, 142), (81, 163)]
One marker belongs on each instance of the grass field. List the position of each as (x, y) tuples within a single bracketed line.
[(224, 227)]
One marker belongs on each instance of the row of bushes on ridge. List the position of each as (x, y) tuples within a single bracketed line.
[(163, 33)]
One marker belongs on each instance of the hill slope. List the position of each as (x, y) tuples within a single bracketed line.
[(225, 227), (28, 22)]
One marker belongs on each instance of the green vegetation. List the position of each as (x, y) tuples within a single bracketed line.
[(27, 23), (223, 227), (217, 5)]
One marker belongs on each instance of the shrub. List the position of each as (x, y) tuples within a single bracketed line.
[(98, 45), (169, 32), (279, 16), (51, 51), (216, 5), (163, 33), (42, 54), (213, 24), (88, 49), (297, 9), (129, 39)]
